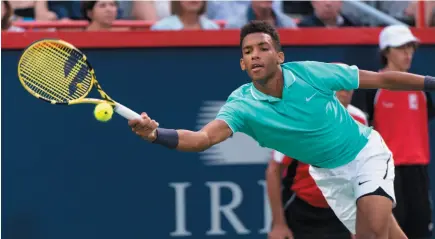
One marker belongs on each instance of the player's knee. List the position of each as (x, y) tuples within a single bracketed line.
[(398, 237), (376, 230), (372, 234)]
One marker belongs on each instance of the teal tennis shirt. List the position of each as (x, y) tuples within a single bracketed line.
[(309, 123)]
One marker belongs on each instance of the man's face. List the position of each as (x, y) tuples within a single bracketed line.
[(260, 58), (401, 57), (344, 96), (326, 10)]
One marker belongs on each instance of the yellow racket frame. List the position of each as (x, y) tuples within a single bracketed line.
[(80, 100), (119, 108)]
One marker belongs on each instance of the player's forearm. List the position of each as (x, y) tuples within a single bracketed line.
[(273, 181), (191, 141), (406, 81)]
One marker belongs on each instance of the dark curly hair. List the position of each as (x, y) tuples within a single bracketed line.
[(261, 27)]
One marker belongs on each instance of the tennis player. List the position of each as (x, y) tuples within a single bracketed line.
[(298, 206), (291, 107)]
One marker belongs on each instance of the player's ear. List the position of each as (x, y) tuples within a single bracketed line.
[(242, 64), (280, 57)]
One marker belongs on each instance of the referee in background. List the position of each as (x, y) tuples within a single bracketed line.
[(402, 120)]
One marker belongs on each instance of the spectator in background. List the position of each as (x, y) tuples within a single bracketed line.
[(224, 10), (7, 18), (32, 10), (411, 11), (138, 10), (326, 14), (163, 8), (261, 10), (186, 15), (66, 10), (401, 117), (404, 11), (100, 14)]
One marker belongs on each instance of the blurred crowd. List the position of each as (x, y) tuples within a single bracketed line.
[(178, 15)]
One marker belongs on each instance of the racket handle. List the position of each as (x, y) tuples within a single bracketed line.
[(126, 112)]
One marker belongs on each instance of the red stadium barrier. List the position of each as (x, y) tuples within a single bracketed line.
[(301, 37)]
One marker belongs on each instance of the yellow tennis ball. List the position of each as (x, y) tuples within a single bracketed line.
[(103, 112)]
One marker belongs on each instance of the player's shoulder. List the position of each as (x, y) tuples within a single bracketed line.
[(241, 93), (354, 111), (237, 102), (295, 64), (306, 68), (315, 66), (312, 64)]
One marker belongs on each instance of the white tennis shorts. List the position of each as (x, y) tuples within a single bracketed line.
[(372, 168)]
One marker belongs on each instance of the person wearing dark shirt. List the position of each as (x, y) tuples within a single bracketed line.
[(264, 11)]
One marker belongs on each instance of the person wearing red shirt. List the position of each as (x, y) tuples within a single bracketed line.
[(305, 209), (402, 120)]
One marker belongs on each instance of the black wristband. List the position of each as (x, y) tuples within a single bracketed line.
[(166, 137), (429, 83)]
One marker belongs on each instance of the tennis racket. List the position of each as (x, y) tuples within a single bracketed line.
[(58, 73)]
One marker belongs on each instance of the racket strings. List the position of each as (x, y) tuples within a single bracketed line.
[(72, 62), (55, 72), (46, 89), (40, 72), (41, 90), (54, 83)]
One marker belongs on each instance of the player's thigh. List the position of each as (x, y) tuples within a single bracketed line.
[(307, 221), (374, 188), (373, 216)]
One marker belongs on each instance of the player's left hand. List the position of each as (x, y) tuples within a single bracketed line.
[(280, 232)]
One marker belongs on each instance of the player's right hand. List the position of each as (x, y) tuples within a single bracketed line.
[(280, 232), (144, 127)]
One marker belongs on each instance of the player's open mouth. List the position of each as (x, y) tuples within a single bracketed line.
[(256, 67)]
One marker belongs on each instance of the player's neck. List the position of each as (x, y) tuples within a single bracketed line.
[(272, 86)]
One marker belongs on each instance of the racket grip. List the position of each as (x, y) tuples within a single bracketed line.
[(126, 112)]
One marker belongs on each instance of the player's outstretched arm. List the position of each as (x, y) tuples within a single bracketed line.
[(395, 80), (184, 140)]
